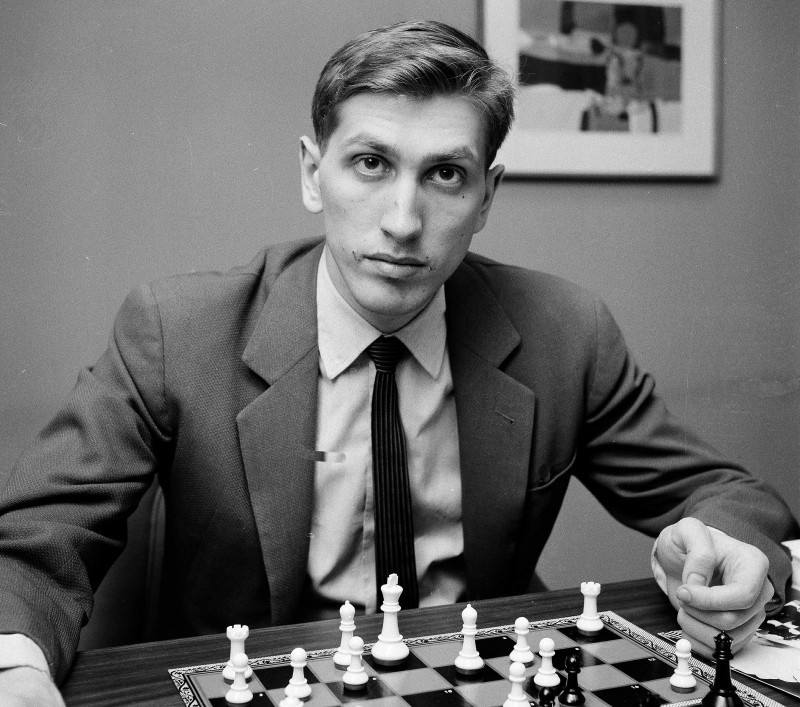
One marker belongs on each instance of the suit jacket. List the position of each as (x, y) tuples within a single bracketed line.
[(210, 381)]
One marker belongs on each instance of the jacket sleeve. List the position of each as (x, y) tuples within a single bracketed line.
[(649, 470), (64, 509)]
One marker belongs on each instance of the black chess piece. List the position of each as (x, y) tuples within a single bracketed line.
[(722, 693), (572, 693), (547, 697)]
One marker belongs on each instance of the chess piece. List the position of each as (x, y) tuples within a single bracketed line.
[(517, 696), (341, 659), (682, 680), (298, 684), (522, 652), (547, 697), (237, 634), (468, 661), (389, 648), (589, 621), (546, 675), (290, 701), (239, 692), (356, 677), (722, 693), (572, 693)]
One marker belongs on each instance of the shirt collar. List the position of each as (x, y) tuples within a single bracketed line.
[(424, 336)]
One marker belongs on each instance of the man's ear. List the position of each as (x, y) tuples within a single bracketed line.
[(493, 178), (310, 156)]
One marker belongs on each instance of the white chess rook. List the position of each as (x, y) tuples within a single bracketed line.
[(522, 652), (468, 660), (237, 634), (347, 626), (517, 696), (298, 684), (239, 692), (682, 680), (546, 675), (590, 621), (389, 648), (356, 677)]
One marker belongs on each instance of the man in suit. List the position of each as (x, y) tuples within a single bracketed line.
[(248, 394)]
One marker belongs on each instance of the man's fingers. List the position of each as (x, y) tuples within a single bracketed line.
[(734, 612), (701, 635), (744, 585), (694, 539)]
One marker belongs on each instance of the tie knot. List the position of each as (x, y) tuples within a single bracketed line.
[(385, 352)]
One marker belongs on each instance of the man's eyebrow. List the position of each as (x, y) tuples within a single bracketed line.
[(456, 153)]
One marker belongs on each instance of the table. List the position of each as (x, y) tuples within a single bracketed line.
[(137, 674)]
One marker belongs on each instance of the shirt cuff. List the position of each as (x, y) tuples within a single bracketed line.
[(17, 651)]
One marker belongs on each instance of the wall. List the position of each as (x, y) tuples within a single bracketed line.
[(138, 139)]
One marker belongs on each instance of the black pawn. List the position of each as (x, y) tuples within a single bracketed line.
[(547, 697), (722, 693), (572, 694)]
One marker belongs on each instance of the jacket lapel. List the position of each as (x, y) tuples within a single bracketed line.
[(495, 426), (277, 431)]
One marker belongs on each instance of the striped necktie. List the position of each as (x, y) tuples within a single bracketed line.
[(394, 527)]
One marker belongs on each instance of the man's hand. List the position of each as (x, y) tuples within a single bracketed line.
[(714, 581), (28, 687)]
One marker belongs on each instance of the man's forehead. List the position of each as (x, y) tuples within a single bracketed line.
[(442, 126)]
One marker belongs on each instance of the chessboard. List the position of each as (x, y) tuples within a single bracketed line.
[(621, 666)]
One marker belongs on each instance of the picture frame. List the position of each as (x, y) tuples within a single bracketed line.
[(609, 90)]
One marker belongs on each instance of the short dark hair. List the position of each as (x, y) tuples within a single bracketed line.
[(420, 60)]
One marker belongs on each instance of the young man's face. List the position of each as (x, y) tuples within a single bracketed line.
[(403, 186)]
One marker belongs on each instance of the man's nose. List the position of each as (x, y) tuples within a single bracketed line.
[(402, 215)]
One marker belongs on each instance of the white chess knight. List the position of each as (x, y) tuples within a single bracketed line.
[(590, 621), (237, 634), (389, 648), (468, 660)]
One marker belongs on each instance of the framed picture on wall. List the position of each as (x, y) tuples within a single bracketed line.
[(609, 90)]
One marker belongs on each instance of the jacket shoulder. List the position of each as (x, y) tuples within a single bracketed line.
[(516, 287)]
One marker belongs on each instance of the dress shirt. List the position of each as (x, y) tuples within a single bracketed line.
[(341, 562)]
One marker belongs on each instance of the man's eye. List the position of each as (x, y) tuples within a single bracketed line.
[(449, 176), (370, 165)]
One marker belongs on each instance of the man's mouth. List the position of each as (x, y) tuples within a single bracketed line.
[(396, 264)]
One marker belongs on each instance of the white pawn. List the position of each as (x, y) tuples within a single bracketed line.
[(522, 652), (342, 656), (389, 648), (546, 675), (517, 696), (590, 621), (682, 680), (468, 661), (298, 684), (356, 677), (290, 701), (239, 692), (237, 634)]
